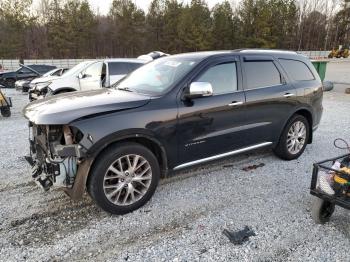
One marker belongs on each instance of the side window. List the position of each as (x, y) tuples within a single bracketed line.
[(94, 70), (261, 74), (57, 73), (222, 77), (298, 70), (118, 68)]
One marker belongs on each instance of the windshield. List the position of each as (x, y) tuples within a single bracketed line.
[(50, 72), (77, 68), (158, 76)]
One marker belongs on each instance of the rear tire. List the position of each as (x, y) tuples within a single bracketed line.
[(124, 178), (294, 138), (322, 211)]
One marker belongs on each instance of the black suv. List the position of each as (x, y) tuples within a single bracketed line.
[(9, 78), (173, 113)]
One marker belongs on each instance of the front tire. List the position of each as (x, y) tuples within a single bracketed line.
[(10, 83), (294, 138), (124, 178), (5, 112)]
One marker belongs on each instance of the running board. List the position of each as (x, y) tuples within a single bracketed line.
[(235, 152)]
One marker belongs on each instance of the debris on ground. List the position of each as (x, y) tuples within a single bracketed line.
[(252, 167), (239, 237)]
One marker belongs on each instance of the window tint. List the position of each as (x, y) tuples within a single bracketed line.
[(133, 66), (94, 70), (261, 74), (222, 77), (297, 70), (118, 68), (57, 73)]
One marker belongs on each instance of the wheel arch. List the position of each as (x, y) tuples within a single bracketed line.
[(81, 180), (308, 115), (147, 141), (63, 90)]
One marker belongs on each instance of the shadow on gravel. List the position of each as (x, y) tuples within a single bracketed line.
[(46, 227)]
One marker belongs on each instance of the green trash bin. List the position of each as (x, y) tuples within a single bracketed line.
[(321, 66)]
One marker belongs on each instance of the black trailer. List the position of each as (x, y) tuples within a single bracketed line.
[(324, 204)]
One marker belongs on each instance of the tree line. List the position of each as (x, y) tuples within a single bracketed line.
[(71, 29)]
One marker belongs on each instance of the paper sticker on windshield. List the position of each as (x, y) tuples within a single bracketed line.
[(173, 63)]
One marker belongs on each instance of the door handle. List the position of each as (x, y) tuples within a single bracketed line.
[(288, 95), (236, 103)]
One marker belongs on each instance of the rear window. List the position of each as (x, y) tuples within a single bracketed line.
[(122, 68), (297, 70), (261, 74)]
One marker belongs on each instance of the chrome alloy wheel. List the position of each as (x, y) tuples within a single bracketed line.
[(296, 137), (127, 180)]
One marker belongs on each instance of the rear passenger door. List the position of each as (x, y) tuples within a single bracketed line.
[(269, 98)]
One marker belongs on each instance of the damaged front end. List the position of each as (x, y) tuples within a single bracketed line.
[(55, 155)]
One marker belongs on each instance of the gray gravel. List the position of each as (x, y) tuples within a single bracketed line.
[(185, 218)]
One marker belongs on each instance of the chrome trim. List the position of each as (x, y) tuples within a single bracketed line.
[(236, 103), (245, 149), (288, 95)]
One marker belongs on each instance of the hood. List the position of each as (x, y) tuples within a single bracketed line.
[(65, 108), (44, 79), (7, 73)]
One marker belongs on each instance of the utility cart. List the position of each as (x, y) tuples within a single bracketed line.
[(5, 104), (330, 184)]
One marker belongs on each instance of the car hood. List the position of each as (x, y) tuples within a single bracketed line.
[(7, 73), (65, 108), (44, 79)]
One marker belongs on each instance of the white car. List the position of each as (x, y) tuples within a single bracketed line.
[(86, 76)]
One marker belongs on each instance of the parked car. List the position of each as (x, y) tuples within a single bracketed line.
[(173, 113), (24, 85), (9, 78), (86, 76)]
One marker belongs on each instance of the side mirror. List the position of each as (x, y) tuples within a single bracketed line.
[(199, 89), (81, 76)]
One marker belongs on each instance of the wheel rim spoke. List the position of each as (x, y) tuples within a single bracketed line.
[(127, 179), (296, 137)]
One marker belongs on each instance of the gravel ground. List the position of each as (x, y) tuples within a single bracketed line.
[(185, 218)]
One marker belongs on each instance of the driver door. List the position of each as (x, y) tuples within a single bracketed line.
[(208, 126), (90, 78)]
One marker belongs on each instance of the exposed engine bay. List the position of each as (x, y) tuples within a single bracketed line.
[(54, 155)]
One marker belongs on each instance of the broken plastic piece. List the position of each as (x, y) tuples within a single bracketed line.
[(239, 237)]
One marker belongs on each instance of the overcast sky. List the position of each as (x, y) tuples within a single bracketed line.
[(103, 5)]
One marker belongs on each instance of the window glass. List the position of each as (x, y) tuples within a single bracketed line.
[(133, 66), (297, 70), (261, 74), (57, 72), (158, 76), (94, 70), (222, 77), (118, 68)]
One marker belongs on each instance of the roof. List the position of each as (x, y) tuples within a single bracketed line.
[(129, 60), (205, 54)]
